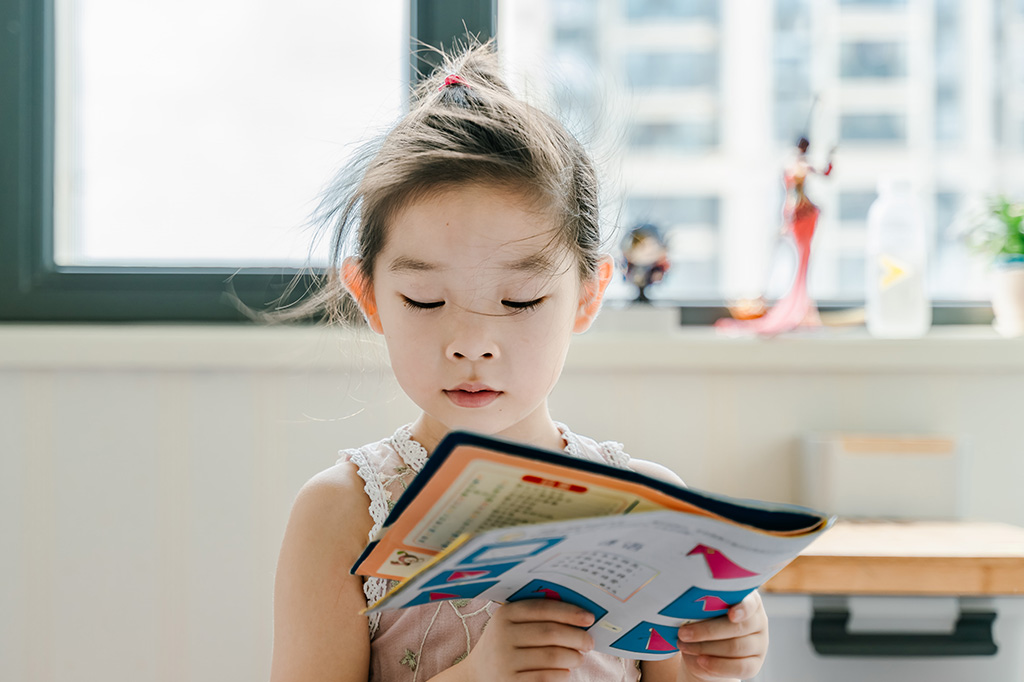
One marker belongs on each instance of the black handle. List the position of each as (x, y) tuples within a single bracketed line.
[(972, 637)]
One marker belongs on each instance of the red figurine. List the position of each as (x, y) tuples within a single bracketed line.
[(799, 218)]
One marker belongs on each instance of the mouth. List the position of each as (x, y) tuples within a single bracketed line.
[(472, 395)]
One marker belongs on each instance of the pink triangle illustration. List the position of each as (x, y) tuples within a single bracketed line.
[(713, 603), (657, 643), (435, 596), (464, 575), (719, 564), (549, 594)]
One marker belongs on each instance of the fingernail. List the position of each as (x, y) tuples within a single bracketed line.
[(737, 615), (685, 634)]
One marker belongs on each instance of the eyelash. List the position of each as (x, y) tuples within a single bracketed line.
[(517, 306), (417, 305), (523, 306)]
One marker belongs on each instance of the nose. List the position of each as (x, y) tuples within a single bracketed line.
[(472, 338)]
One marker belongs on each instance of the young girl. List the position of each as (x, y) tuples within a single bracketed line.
[(477, 259)]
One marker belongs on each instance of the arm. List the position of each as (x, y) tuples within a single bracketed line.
[(828, 168), (728, 647), (319, 636), (318, 632)]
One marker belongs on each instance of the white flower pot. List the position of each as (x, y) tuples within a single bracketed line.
[(1008, 299)]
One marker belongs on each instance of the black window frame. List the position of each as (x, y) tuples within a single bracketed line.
[(33, 288)]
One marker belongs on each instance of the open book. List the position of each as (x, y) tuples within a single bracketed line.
[(502, 521)]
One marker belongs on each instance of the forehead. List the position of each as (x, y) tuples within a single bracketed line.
[(473, 227)]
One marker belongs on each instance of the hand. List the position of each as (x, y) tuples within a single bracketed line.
[(533, 639), (730, 646)]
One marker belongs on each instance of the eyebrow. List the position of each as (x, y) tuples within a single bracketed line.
[(536, 263)]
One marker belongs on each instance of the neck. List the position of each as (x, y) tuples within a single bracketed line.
[(537, 430)]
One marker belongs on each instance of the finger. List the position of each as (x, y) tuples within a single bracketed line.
[(740, 647), (544, 676), (549, 633), (547, 658), (718, 628), (748, 608), (742, 668), (533, 610)]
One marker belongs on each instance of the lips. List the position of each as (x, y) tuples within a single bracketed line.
[(472, 395)]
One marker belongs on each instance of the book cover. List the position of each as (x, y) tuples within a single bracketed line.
[(502, 521)]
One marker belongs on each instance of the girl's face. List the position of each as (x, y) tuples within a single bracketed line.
[(477, 306)]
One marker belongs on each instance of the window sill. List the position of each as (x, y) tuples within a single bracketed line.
[(172, 347)]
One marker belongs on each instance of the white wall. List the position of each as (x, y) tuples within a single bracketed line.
[(146, 472)]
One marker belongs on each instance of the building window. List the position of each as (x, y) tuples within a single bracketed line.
[(872, 59), (872, 128), (674, 137), (672, 9), (672, 70)]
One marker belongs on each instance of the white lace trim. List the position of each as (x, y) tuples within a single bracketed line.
[(412, 453), (414, 456), (611, 452)]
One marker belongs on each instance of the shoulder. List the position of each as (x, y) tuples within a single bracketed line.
[(655, 470), (333, 502)]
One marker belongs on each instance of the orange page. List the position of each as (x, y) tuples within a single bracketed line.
[(479, 489)]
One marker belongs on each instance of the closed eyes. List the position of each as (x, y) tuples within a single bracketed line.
[(516, 306), (523, 305), (421, 305)]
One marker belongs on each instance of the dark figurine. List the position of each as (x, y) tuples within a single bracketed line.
[(645, 253)]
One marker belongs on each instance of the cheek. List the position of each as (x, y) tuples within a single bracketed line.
[(546, 332)]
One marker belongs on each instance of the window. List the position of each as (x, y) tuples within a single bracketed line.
[(671, 70), (160, 157), (709, 101), (692, 104), (672, 9), (872, 59), (872, 128), (208, 146)]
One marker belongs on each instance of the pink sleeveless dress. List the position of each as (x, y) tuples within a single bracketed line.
[(417, 643)]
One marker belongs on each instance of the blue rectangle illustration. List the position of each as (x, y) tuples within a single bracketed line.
[(462, 575), (649, 638), (698, 603), (510, 551), (542, 589)]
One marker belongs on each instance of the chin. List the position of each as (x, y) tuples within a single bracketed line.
[(487, 425)]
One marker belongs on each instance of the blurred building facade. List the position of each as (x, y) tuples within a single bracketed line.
[(699, 103)]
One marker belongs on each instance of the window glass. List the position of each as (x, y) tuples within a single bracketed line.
[(872, 59), (689, 105), (672, 69), (872, 127), (200, 132), (672, 9)]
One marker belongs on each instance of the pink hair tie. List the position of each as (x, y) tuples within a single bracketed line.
[(452, 80)]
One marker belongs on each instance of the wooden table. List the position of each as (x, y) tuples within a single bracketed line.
[(909, 558)]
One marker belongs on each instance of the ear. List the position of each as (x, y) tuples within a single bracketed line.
[(592, 293), (362, 291)]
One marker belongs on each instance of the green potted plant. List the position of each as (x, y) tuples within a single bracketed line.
[(996, 232)]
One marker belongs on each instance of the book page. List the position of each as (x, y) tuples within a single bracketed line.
[(641, 575)]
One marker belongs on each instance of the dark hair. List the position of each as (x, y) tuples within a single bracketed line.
[(469, 129), (803, 143)]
